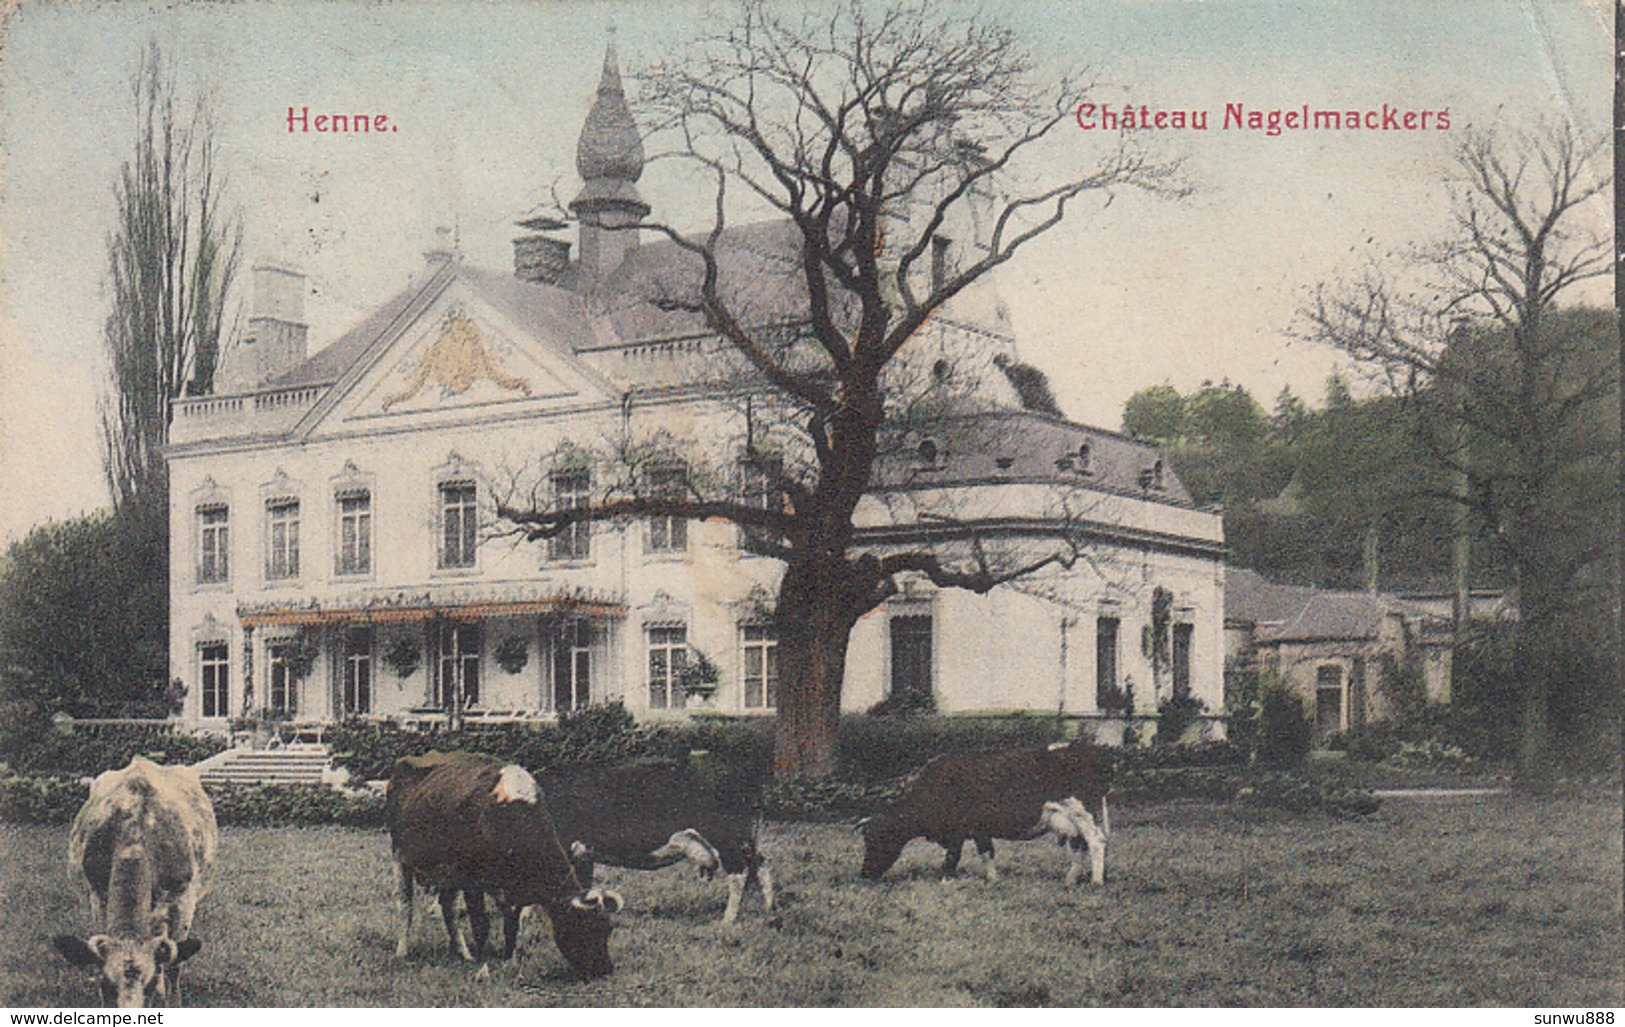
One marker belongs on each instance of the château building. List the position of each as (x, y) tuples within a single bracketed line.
[(335, 551)]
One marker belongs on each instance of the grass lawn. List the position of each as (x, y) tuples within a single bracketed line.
[(1505, 900)]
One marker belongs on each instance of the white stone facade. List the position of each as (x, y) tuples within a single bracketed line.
[(335, 549)]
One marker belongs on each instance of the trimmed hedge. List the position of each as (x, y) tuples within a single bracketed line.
[(827, 800), (1247, 785), (56, 801), (599, 734), (874, 750), (308, 805), (40, 800), (91, 749), (51, 800)]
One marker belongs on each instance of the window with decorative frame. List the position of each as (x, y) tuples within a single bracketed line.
[(668, 534), (459, 524), (668, 655), (282, 539), (759, 666), (572, 490), (214, 544), (1106, 690), (214, 678), (353, 554)]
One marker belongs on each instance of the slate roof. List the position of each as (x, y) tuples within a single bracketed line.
[(1331, 616), (630, 306), (1024, 446), (1294, 613), (1251, 598)]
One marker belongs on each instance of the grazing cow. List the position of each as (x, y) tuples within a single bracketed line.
[(142, 845), (465, 823), (1016, 794), (655, 813)]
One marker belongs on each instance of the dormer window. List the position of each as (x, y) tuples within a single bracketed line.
[(939, 370), (928, 453), (1151, 478), (1081, 461)]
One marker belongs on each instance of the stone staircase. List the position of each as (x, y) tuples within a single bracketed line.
[(305, 764)]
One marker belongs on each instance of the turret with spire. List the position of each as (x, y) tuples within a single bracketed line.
[(609, 158)]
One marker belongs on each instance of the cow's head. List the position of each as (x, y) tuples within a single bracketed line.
[(882, 844), (131, 974), (581, 930)]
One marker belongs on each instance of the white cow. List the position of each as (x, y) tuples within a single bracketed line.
[(141, 846)]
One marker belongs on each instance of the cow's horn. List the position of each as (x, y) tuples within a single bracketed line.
[(612, 900), (862, 825)]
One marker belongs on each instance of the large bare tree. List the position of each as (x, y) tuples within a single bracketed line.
[(1508, 385), (171, 259), (873, 134)]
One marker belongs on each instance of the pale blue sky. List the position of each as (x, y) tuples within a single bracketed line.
[(489, 98)]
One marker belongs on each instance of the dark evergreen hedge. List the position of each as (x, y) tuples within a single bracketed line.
[(90, 749)]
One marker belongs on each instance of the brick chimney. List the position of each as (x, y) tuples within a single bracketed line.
[(275, 340), (540, 258)]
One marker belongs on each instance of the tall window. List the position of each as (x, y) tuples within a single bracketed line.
[(1357, 696), (668, 534), (458, 523), (355, 534), (214, 669), (1328, 700), (572, 490), (457, 671), (1182, 660), (282, 536), (761, 666), (911, 656), (668, 655), (357, 694), (1106, 662), (572, 664), (759, 489), (214, 544), (283, 696)]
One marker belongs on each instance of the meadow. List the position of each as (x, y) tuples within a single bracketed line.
[(1500, 900)]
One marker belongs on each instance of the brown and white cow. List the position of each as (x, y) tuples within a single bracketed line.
[(142, 846), (656, 813), (1014, 794), (460, 822)]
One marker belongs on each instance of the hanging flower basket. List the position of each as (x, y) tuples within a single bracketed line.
[(299, 654), (402, 657), (512, 654)]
